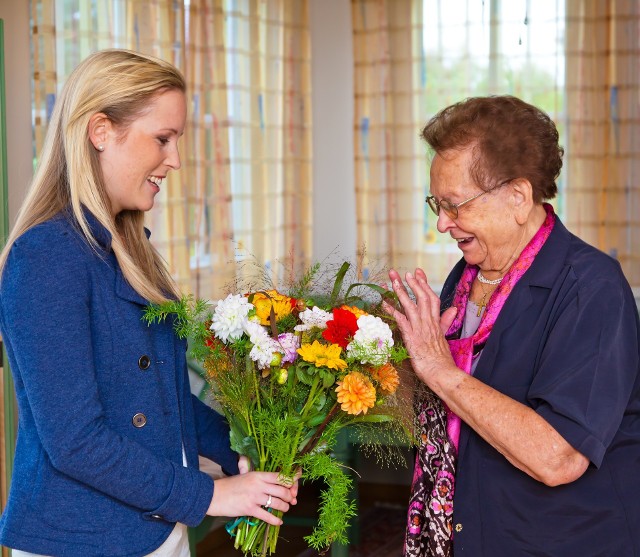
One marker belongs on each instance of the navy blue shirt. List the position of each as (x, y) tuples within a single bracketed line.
[(566, 344)]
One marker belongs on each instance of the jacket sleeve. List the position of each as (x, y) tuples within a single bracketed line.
[(45, 299), (213, 437)]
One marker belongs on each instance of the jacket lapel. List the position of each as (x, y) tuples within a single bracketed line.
[(125, 291)]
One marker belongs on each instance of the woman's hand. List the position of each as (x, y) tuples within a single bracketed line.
[(534, 446), (251, 493), (421, 325), (244, 464)]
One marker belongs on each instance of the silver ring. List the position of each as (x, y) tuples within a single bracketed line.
[(268, 503)]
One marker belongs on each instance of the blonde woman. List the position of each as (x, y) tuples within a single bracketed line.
[(109, 434)]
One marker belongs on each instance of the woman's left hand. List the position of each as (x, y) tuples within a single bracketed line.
[(421, 325), (535, 448), (244, 464)]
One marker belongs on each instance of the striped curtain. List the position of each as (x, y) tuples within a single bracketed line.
[(603, 106), (413, 58), (245, 186), (270, 120), (389, 160)]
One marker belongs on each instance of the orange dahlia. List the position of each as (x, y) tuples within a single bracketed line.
[(264, 301), (355, 310), (356, 393), (388, 378)]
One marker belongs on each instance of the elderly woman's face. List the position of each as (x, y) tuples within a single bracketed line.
[(485, 230)]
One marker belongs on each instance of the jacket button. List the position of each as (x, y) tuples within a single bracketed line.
[(458, 527), (139, 420), (144, 362)]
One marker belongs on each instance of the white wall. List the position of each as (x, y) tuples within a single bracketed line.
[(15, 14), (334, 223)]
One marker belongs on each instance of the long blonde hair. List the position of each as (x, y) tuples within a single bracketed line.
[(120, 84)]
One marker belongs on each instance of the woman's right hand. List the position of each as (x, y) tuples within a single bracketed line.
[(248, 494)]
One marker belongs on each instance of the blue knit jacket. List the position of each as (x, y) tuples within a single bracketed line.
[(104, 405)]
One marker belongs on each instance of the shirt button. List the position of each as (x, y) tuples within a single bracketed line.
[(139, 420), (144, 362), (458, 527)]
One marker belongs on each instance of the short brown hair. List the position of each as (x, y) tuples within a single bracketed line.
[(511, 139)]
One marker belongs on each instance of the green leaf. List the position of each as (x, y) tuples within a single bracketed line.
[(372, 419), (320, 401), (245, 446), (379, 289), (337, 285), (305, 374), (315, 420), (328, 378)]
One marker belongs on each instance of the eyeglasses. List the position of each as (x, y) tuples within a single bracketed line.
[(451, 209)]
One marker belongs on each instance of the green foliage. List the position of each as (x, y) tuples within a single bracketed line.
[(190, 319), (302, 288), (307, 373), (336, 508), (287, 323)]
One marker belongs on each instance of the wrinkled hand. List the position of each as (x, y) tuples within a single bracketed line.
[(247, 494), (421, 325)]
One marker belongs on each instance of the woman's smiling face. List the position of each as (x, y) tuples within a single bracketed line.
[(485, 230), (136, 161)]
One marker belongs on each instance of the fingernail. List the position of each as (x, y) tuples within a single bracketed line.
[(396, 283), (409, 275)]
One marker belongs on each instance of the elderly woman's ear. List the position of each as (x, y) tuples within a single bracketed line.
[(522, 199)]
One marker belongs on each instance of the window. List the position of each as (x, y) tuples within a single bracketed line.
[(487, 47)]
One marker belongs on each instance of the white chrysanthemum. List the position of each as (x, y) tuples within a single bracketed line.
[(255, 331), (372, 342), (313, 318), (230, 316), (264, 347)]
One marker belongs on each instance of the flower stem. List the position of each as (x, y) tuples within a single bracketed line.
[(316, 436)]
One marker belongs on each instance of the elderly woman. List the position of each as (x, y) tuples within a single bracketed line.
[(531, 422)]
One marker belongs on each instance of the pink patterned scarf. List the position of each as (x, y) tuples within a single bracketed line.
[(429, 529)]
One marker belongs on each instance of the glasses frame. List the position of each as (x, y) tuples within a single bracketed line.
[(451, 209)]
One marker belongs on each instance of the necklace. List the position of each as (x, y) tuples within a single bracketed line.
[(485, 280), (482, 280), (483, 301)]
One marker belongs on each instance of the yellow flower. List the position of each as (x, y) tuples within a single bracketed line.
[(356, 393), (388, 378), (263, 302), (322, 355), (355, 310)]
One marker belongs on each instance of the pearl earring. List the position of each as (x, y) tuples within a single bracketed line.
[(100, 148)]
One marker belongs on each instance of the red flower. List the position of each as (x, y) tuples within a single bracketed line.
[(341, 328)]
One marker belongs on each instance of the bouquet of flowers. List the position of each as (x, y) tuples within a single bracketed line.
[(289, 370)]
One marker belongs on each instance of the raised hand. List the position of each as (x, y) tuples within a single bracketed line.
[(421, 325)]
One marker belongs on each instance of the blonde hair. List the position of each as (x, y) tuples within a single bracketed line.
[(121, 84)]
